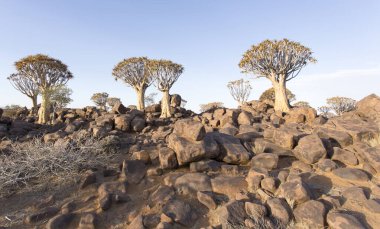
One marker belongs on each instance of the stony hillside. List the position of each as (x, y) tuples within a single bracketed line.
[(225, 168)]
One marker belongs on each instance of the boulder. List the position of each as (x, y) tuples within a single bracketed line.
[(294, 190), (207, 199), (119, 108), (267, 161), (167, 157), (175, 100), (351, 174), (311, 213), (232, 214), (60, 221), (180, 212), (244, 118), (229, 186), (190, 129), (370, 155), (302, 115), (192, 183), (133, 171), (205, 165), (337, 137), (310, 149), (340, 220), (369, 107), (344, 156), (138, 124), (279, 210), (262, 145), (231, 149), (123, 122), (255, 210), (188, 151), (285, 137)]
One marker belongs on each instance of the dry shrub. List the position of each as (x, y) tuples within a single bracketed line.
[(38, 162)]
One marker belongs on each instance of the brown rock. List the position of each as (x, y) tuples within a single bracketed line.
[(280, 210), (344, 156), (207, 199), (339, 220), (167, 157), (312, 213), (190, 129), (351, 174), (310, 149), (267, 161)]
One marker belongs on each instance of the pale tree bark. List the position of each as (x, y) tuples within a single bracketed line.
[(140, 98), (165, 105), (281, 102), (34, 101), (43, 114)]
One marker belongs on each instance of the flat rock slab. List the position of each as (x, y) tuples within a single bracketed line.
[(229, 186), (338, 220), (351, 174), (193, 182)]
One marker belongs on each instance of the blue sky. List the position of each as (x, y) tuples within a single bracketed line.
[(208, 37)]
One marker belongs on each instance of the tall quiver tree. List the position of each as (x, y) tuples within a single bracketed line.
[(279, 61), (136, 73), (165, 73), (46, 73), (26, 86)]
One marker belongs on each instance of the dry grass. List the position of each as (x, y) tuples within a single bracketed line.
[(38, 162)]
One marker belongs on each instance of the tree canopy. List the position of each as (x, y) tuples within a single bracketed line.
[(165, 73), (26, 86), (274, 59), (43, 70), (100, 99), (134, 71), (341, 105), (60, 96)]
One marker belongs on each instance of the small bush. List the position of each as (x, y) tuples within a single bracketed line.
[(39, 162), (211, 106)]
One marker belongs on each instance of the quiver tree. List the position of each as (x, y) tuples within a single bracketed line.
[(341, 105), (46, 73), (301, 104), (240, 90), (269, 94), (136, 73), (26, 86), (60, 96), (100, 100), (279, 61), (112, 101), (165, 73)]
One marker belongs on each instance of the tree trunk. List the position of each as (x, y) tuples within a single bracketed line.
[(165, 105), (43, 113), (140, 99), (34, 101), (281, 102)]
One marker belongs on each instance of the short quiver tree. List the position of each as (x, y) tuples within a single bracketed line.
[(165, 73), (341, 105), (279, 61), (136, 73), (240, 90), (46, 73), (100, 100), (269, 94), (26, 86)]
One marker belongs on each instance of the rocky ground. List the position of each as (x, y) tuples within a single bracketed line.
[(227, 168)]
